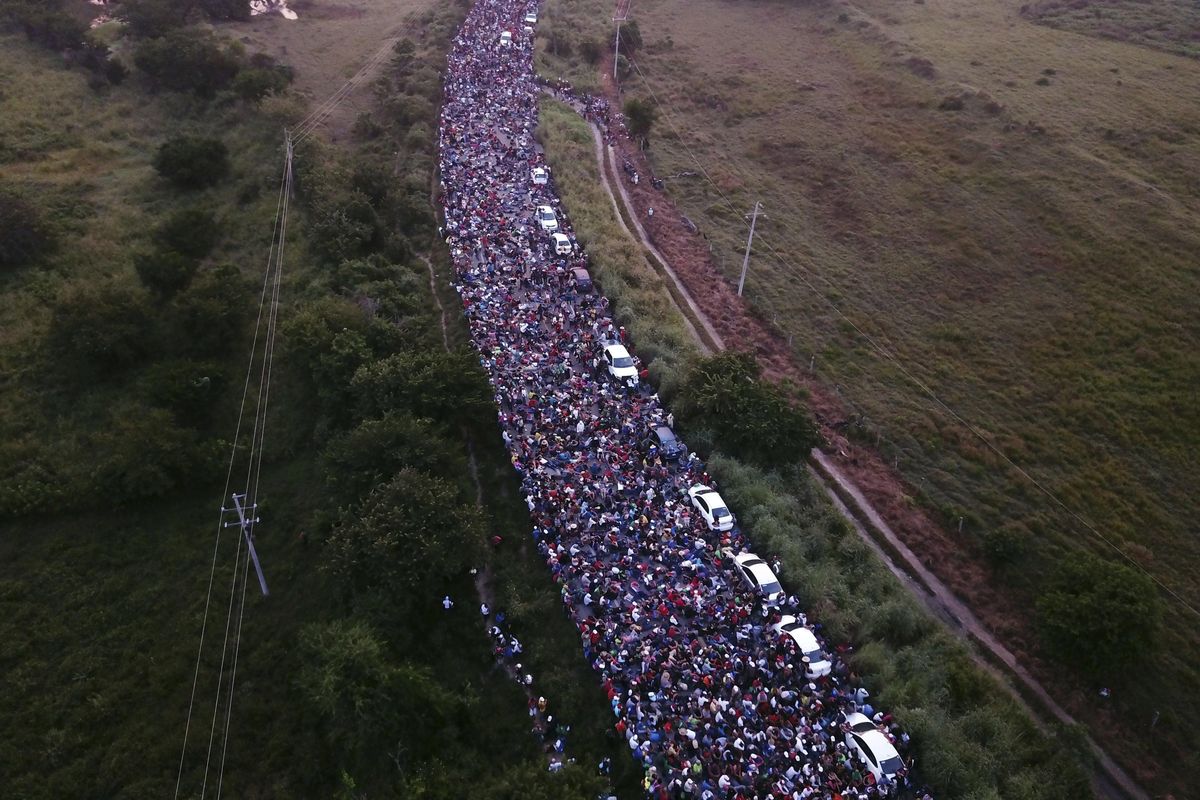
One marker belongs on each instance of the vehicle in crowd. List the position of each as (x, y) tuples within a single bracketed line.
[(583, 281), (619, 363), (668, 443), (710, 505), (817, 664), (562, 244), (531, 18), (540, 176), (872, 747), (547, 218), (506, 39), (758, 576)]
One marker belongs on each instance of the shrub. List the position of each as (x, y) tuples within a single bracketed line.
[(148, 19), (591, 51), (25, 236), (108, 327), (640, 116), (191, 232), (211, 314), (752, 420), (192, 162), (187, 61), (445, 386), (258, 82), (1003, 547), (187, 389), (376, 450), (164, 272), (1099, 616), (142, 453)]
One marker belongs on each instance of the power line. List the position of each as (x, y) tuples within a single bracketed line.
[(797, 269)]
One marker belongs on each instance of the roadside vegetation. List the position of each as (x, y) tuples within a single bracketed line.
[(971, 738), (126, 310), (1008, 209)]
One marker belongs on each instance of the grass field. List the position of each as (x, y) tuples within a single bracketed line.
[(329, 43), (1011, 210)]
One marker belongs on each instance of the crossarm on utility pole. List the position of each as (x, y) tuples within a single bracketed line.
[(246, 525)]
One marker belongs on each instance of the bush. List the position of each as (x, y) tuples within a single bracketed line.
[(376, 450), (187, 61), (1099, 616), (591, 51), (25, 236), (164, 272), (752, 419), (109, 327), (258, 82), (211, 315), (147, 19), (640, 117), (439, 385), (142, 453), (191, 232), (187, 389), (192, 162)]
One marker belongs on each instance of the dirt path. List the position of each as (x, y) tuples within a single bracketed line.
[(1109, 779)]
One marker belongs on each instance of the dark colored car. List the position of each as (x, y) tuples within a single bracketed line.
[(668, 443), (583, 281)]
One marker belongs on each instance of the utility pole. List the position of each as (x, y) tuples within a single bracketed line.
[(247, 526), (749, 244), (621, 14)]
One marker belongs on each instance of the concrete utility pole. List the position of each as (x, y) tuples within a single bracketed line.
[(621, 14), (247, 526), (749, 244)]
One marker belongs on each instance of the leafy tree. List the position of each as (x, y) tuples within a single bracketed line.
[(103, 328), (188, 61), (435, 384), (210, 316), (25, 235), (191, 232), (324, 345), (751, 419), (344, 231), (377, 449), (49, 27), (411, 535), (591, 51), (640, 117), (527, 780), (192, 162), (631, 37), (371, 709), (142, 453), (164, 272), (187, 389), (147, 19), (1099, 616), (257, 82)]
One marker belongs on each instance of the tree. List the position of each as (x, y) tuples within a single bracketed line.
[(640, 117), (188, 61), (435, 384), (238, 10), (1098, 616), (751, 419), (25, 236), (192, 162), (164, 272), (372, 453), (142, 453), (104, 328), (191, 232), (210, 316), (147, 19), (256, 83), (411, 535), (187, 389), (371, 709)]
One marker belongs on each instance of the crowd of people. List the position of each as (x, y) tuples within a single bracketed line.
[(709, 699)]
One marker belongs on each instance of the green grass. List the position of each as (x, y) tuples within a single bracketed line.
[(1030, 258)]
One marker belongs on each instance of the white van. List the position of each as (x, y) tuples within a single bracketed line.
[(562, 244), (506, 39)]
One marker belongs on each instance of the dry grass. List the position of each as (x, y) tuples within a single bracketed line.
[(329, 43), (1030, 257)]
